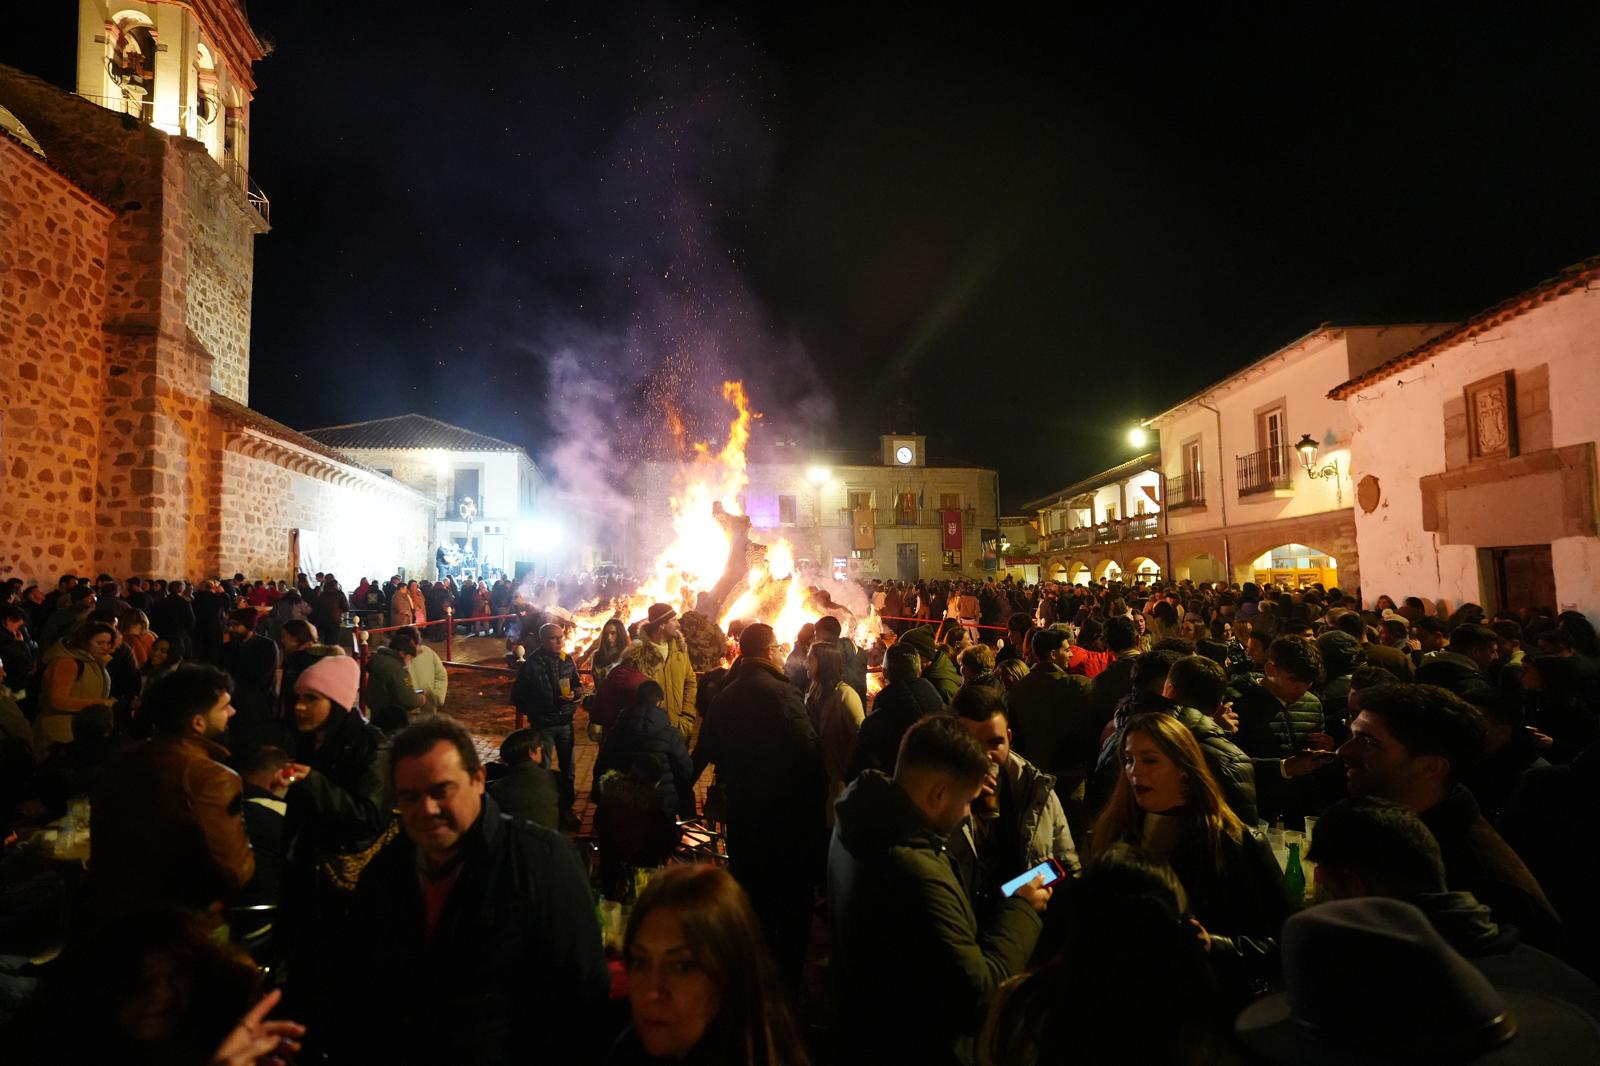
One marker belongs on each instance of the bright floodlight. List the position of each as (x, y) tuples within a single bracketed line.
[(1138, 436), (539, 534), (819, 475)]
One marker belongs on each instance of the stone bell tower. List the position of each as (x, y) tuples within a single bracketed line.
[(126, 261), (185, 69)]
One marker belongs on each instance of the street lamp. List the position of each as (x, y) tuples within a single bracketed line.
[(1138, 436), (1308, 459), (819, 475)]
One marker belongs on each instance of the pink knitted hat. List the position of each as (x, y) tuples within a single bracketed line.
[(337, 677)]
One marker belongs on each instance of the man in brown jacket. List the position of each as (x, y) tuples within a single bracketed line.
[(166, 816)]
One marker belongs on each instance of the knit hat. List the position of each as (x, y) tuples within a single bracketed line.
[(660, 612), (335, 677), (920, 640)]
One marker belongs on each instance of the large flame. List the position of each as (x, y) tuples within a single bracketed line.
[(772, 591)]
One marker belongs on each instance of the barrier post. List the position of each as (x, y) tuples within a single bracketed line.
[(449, 633), (362, 654)]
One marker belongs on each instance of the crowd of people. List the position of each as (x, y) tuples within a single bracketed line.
[(1185, 823)]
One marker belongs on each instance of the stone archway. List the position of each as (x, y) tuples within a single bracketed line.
[(1290, 565), (1142, 568), (1077, 573), (1202, 567), (1109, 569)]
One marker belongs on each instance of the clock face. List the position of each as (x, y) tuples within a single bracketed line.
[(903, 455)]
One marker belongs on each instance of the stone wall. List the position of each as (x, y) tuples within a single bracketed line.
[(53, 255), (221, 264), (362, 526)]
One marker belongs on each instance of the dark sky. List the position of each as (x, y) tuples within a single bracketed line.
[(543, 221)]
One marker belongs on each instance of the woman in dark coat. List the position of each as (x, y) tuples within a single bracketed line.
[(1168, 803), (335, 814)]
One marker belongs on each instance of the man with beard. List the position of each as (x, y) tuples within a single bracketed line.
[(167, 818)]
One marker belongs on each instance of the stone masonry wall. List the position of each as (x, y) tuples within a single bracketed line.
[(53, 241), (221, 264), (363, 529)]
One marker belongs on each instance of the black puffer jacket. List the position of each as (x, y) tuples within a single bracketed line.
[(895, 709), (1271, 731), (646, 732), (1227, 762)]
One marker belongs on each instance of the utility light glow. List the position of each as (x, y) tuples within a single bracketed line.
[(819, 475), (1138, 436)]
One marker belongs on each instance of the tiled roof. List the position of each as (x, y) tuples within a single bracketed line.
[(1577, 276), (411, 431), (248, 417), (1136, 465)]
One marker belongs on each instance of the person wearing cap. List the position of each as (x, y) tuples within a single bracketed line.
[(545, 695), (392, 696), (335, 805), (769, 763), (1371, 980), (661, 654), (1414, 744)]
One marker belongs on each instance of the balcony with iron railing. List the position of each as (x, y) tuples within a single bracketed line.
[(1270, 470), (1185, 490)]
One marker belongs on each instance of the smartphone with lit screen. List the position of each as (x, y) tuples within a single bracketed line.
[(1050, 870)]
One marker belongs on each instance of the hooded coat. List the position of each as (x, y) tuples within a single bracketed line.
[(915, 972), (674, 673)]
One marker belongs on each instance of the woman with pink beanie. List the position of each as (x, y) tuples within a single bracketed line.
[(336, 805)]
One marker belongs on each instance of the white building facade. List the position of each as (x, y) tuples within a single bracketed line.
[(1256, 469), (492, 506), (1474, 456), (1103, 527)]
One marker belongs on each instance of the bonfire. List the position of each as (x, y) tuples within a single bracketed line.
[(716, 564)]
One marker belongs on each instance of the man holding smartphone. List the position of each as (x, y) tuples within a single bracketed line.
[(916, 970)]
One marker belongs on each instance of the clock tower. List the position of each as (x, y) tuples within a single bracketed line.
[(904, 449)]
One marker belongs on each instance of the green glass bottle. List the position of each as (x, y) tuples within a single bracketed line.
[(1294, 878)]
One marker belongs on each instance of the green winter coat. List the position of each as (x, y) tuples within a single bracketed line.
[(915, 972)]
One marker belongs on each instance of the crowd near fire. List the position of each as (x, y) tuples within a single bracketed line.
[(866, 641)]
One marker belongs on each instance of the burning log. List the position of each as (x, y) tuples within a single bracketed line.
[(736, 570)]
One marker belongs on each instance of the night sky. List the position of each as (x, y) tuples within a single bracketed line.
[(548, 222)]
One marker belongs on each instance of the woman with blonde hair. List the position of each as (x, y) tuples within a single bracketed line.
[(1167, 803), (701, 982)]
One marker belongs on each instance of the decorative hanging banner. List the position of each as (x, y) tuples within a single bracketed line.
[(950, 524)]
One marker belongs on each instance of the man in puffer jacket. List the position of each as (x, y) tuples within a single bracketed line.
[(1192, 691), (545, 694), (1283, 730), (915, 969)]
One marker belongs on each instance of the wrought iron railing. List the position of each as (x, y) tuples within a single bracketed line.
[(1266, 471), (1184, 490)]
